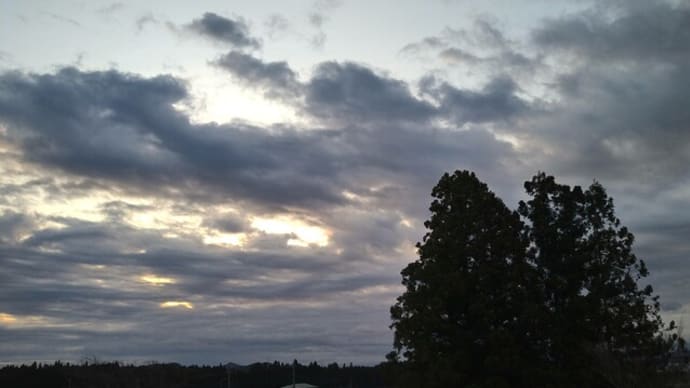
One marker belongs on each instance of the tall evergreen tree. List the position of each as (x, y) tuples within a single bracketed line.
[(456, 323), (599, 326), (549, 300)]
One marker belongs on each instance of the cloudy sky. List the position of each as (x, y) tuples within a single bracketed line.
[(243, 181)]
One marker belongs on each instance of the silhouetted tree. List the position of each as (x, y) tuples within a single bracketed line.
[(550, 300), (457, 324), (598, 324)]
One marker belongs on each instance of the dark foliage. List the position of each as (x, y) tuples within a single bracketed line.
[(546, 296)]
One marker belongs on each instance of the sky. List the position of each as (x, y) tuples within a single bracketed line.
[(215, 181)]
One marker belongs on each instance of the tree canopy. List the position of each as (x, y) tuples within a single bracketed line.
[(547, 295)]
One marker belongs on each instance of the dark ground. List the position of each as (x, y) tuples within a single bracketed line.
[(117, 375)]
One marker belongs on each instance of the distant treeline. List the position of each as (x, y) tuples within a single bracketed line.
[(155, 375)]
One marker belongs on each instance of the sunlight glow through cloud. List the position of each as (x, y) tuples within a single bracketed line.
[(223, 103), (305, 234), (85, 208), (7, 318), (156, 280), (177, 303), (28, 321), (226, 239)]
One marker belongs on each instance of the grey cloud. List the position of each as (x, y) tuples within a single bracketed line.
[(276, 79), (70, 120), (144, 20), (107, 242), (671, 306), (46, 237), (325, 6), (623, 78), (277, 25), (340, 93), (454, 54), (317, 284), (487, 34), (484, 34), (117, 210), (86, 123), (626, 121), (115, 131), (496, 101), (118, 245), (318, 40), (110, 9), (12, 225), (664, 248), (270, 242), (224, 30), (432, 42), (123, 128), (505, 60), (641, 31), (350, 93), (320, 13), (316, 19), (342, 337), (62, 19), (56, 286), (516, 60), (200, 270), (483, 48), (376, 239), (228, 222)]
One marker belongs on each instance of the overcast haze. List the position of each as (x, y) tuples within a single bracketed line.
[(243, 181)]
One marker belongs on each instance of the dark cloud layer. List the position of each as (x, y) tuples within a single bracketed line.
[(80, 276), (639, 31), (497, 101), (337, 93), (627, 88), (350, 93), (121, 132), (124, 128), (621, 117)]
